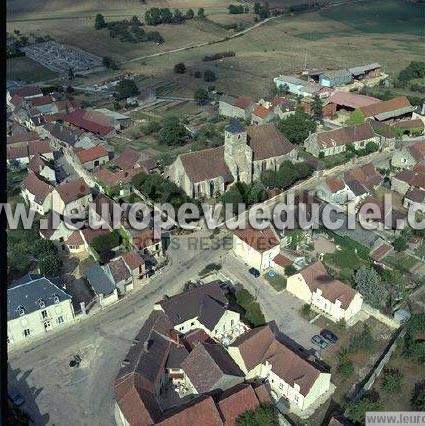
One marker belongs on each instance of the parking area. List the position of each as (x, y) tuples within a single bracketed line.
[(282, 307)]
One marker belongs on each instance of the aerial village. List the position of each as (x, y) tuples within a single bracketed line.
[(288, 319)]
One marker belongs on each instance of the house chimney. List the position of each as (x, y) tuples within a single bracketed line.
[(174, 336), (146, 345)]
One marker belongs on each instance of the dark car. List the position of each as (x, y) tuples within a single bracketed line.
[(254, 272), (329, 336), (16, 397), (317, 340)]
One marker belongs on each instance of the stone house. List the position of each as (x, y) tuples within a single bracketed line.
[(149, 243), (247, 152), (262, 115), (314, 286), (37, 193), (257, 248), (73, 197), (41, 166), (415, 197), (333, 190), (413, 127), (409, 178), (205, 308), (36, 305), (92, 158), (336, 141), (236, 107), (260, 354)]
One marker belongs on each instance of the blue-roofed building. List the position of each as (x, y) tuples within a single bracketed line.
[(102, 283), (334, 78), (36, 305)]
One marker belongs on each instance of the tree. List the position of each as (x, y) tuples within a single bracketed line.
[(106, 242), (317, 107), (190, 14), (197, 74), (180, 68), (297, 126), (356, 117), (264, 415), (370, 286), (345, 365), (232, 197), (417, 400), (400, 244), (201, 12), (356, 411), (99, 22), (71, 75), (201, 95), (173, 132), (50, 264), (257, 7), (392, 381), (108, 62), (290, 270), (126, 89), (209, 76), (178, 16)]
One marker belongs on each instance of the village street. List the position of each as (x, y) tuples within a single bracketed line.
[(60, 395)]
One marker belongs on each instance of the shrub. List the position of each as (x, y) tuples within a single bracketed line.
[(417, 400), (290, 270), (392, 381), (209, 76), (106, 242), (211, 267), (180, 68), (305, 310), (363, 341), (254, 315), (244, 298)]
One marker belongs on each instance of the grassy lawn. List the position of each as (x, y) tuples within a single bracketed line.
[(344, 261), (278, 282), (26, 69)]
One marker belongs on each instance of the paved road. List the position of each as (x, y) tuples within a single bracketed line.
[(57, 394), (281, 306)]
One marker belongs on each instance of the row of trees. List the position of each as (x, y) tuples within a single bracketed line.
[(262, 10), (157, 16), (237, 9)]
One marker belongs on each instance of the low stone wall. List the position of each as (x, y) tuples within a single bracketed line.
[(390, 322)]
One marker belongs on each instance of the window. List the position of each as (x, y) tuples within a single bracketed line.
[(27, 332), (280, 385), (224, 327), (232, 322), (296, 398), (56, 298), (192, 323), (21, 310), (59, 320), (47, 326), (44, 314), (181, 328)]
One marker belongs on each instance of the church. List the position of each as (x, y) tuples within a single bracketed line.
[(247, 152)]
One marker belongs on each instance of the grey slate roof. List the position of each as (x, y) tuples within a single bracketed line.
[(207, 302), (235, 126), (29, 290), (62, 133), (99, 280)]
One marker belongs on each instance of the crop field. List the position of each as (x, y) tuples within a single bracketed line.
[(23, 68)]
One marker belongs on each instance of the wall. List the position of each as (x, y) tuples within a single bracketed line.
[(34, 322), (229, 110), (296, 285)]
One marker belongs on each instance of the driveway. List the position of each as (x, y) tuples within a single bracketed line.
[(282, 307)]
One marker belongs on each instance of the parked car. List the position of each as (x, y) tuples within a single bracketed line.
[(16, 397), (329, 336), (317, 340), (254, 272)]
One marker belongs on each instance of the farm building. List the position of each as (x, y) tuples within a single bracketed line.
[(334, 78), (366, 71)]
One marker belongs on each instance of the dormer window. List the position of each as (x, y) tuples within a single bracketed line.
[(56, 298), (178, 316), (21, 310), (41, 303)]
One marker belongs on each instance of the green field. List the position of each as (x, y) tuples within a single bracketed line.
[(23, 68)]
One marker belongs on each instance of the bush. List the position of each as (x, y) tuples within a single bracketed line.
[(50, 264), (305, 310), (197, 74), (254, 315), (211, 267), (290, 270), (216, 56), (264, 415), (356, 411), (392, 381), (209, 76), (417, 401), (151, 127), (106, 242), (126, 89), (363, 341), (180, 68), (244, 298)]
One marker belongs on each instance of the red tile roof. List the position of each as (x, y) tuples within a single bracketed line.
[(282, 260), (41, 100), (90, 234), (201, 411), (27, 91), (39, 147), (260, 240), (92, 154), (352, 100), (236, 401), (367, 175), (145, 239), (206, 164), (106, 176), (73, 190), (267, 142), (133, 260), (386, 106), (345, 135), (128, 159), (23, 137), (316, 277), (75, 239), (77, 118), (37, 187), (243, 102), (263, 394), (15, 152), (410, 124), (335, 184), (261, 111)]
